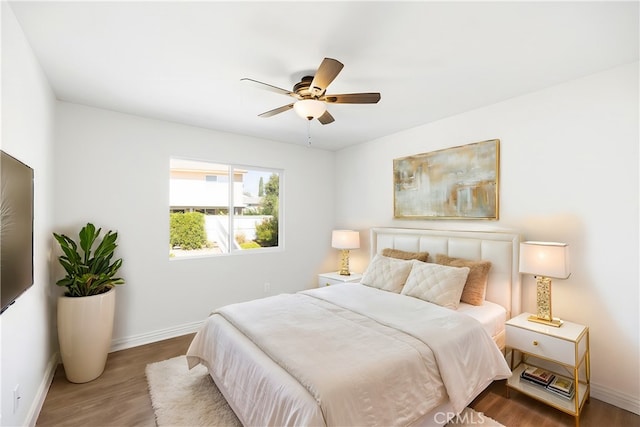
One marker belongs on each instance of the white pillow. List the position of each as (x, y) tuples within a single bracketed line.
[(439, 284), (386, 273)]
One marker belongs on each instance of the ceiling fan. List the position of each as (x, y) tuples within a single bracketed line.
[(310, 94)]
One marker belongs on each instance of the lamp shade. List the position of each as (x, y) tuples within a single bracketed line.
[(310, 108), (345, 239), (548, 259)]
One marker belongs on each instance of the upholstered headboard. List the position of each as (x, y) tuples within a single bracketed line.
[(498, 247)]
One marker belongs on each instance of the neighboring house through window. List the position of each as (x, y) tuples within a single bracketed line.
[(219, 209)]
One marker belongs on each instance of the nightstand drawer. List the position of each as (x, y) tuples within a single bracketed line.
[(326, 281), (538, 344), (334, 278)]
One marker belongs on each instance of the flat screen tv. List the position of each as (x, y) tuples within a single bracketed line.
[(16, 229)]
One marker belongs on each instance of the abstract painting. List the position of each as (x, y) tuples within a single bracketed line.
[(453, 183)]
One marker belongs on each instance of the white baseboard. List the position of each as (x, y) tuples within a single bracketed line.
[(151, 337), (615, 398), (43, 389)]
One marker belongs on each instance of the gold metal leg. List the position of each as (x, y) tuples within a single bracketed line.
[(510, 367), (588, 368), (576, 398)]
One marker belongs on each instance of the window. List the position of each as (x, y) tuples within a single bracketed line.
[(217, 178), (217, 209)]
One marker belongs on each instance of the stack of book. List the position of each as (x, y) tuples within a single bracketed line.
[(537, 376), (561, 386)]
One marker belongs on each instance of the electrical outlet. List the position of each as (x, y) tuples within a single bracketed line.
[(16, 398), (267, 287)]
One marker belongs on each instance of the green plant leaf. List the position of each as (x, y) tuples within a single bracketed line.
[(68, 246), (88, 235), (86, 275)]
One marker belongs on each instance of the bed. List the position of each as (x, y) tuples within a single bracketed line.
[(357, 354)]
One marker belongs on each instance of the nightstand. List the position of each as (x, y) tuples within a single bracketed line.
[(563, 351), (333, 278)]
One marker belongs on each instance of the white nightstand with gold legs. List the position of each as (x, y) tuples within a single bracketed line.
[(563, 351)]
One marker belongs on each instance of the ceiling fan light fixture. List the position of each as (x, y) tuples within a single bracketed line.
[(311, 101), (310, 108)]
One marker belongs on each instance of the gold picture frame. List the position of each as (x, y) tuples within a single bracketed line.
[(454, 183)]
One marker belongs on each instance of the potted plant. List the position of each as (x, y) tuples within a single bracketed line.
[(86, 310)]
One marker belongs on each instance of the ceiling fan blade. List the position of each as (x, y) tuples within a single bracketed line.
[(352, 98), (271, 88), (326, 118), (327, 71), (276, 111)]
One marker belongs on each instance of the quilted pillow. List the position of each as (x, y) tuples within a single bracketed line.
[(439, 284), (400, 254), (386, 273), (476, 286)]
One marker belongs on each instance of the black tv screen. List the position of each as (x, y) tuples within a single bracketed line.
[(16, 229)]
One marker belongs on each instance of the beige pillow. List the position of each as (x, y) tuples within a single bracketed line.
[(436, 283), (476, 287), (388, 274), (400, 254)]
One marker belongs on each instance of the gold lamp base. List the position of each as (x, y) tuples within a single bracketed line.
[(344, 263), (554, 322), (543, 299)]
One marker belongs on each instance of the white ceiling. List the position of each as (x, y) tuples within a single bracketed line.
[(183, 61)]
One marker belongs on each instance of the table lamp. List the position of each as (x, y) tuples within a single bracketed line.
[(345, 240), (545, 260)]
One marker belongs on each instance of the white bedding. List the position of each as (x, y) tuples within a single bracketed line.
[(349, 379), (491, 315)]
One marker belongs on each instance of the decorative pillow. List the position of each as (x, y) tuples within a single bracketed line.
[(436, 283), (386, 273), (476, 286), (400, 254)]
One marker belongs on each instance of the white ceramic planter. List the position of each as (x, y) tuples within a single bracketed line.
[(85, 328)]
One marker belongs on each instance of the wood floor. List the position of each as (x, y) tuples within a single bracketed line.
[(120, 398)]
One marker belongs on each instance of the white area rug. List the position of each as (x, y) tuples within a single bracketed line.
[(183, 397), (190, 398)]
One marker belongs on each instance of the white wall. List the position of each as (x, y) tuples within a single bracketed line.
[(112, 169), (569, 172), (27, 338)]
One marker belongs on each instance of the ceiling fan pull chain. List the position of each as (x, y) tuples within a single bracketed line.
[(309, 132)]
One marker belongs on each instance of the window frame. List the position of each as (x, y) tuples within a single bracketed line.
[(232, 168)]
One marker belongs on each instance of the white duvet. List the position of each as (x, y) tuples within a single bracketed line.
[(365, 356)]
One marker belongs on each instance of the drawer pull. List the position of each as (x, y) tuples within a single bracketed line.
[(535, 343)]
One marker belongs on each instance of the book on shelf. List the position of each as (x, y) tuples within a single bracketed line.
[(537, 375), (532, 381), (562, 386), (564, 395)]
